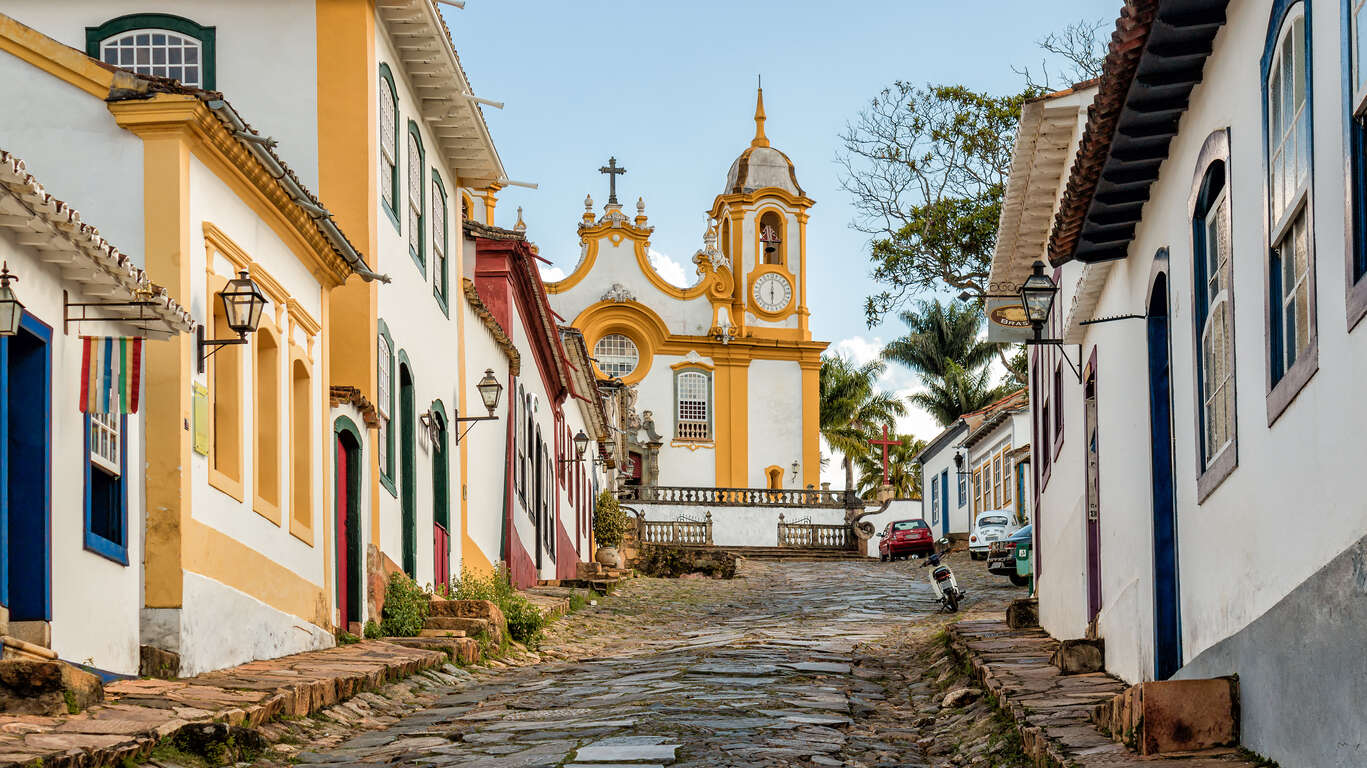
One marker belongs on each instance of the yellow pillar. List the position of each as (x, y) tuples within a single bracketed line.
[(811, 422)]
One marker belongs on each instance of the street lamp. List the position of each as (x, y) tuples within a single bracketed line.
[(1037, 296), (581, 444), (242, 305), (1037, 300), (489, 391), (10, 309)]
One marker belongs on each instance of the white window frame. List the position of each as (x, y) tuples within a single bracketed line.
[(389, 154), (611, 367), (128, 41), (1357, 14), (693, 427), (1217, 311), (1287, 199), (106, 442)]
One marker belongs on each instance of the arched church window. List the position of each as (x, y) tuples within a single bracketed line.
[(726, 237), (616, 354), (772, 249), (693, 395)]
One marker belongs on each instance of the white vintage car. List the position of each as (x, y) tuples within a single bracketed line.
[(992, 525)]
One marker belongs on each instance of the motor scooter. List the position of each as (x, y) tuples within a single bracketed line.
[(942, 579)]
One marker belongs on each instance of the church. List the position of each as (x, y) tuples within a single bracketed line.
[(721, 377)]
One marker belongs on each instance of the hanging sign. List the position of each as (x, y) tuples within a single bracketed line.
[(1006, 320), (111, 372)]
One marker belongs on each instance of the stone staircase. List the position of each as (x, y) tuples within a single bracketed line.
[(464, 629), (594, 577)]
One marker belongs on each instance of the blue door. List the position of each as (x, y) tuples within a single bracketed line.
[(1166, 608), (25, 489)]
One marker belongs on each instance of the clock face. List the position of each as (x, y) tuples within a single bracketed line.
[(772, 292)]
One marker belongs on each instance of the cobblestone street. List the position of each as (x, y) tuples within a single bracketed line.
[(772, 668)]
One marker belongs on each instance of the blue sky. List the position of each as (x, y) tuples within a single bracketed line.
[(669, 89)]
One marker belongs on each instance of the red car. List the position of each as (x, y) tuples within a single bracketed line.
[(903, 538)]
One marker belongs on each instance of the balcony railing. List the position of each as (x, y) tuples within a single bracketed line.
[(733, 497)]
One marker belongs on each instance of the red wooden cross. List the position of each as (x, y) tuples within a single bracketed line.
[(885, 442)]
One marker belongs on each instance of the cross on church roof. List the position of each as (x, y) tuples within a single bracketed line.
[(612, 170)]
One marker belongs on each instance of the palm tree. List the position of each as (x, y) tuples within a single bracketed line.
[(948, 397), (851, 406), (938, 334), (904, 473)]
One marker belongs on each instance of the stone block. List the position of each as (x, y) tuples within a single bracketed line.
[(1167, 716), (46, 688), (158, 662), (1079, 657), (1023, 613)]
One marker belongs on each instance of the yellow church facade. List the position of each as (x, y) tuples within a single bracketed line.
[(723, 374)]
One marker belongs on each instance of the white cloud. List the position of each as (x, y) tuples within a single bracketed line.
[(552, 274), (671, 270)]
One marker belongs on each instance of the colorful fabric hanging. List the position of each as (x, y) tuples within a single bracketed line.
[(111, 373)]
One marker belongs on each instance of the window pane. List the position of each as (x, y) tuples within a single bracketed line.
[(149, 52), (616, 354), (1359, 47)]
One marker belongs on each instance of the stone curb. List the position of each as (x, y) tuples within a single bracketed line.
[(1051, 710), (138, 714)]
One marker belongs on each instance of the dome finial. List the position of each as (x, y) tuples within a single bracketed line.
[(760, 139)]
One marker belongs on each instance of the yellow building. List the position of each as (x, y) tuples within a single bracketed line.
[(723, 372)]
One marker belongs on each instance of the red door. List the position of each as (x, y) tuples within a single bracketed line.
[(1093, 495), (342, 532), (442, 555)]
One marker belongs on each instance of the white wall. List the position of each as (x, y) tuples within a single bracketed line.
[(899, 509), (69, 142), (932, 466), (486, 445), (95, 600), (257, 42), (741, 526), (775, 414), (1237, 556)]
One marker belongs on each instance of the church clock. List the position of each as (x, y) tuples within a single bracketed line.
[(772, 292)]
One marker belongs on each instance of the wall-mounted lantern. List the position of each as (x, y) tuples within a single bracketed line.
[(243, 302), (581, 444), (489, 391), (1037, 300), (11, 311)]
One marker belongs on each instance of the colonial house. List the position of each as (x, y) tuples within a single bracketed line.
[(1209, 245), (973, 466), (713, 366), (72, 307), (236, 558)]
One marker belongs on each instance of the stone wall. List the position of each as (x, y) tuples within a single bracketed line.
[(664, 561)]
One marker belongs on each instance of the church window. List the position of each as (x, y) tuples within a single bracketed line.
[(772, 247), (726, 237), (1291, 315), (389, 144), (385, 405), (693, 392), (1213, 315), (417, 198), (106, 508), (617, 355), (156, 44), (439, 241)]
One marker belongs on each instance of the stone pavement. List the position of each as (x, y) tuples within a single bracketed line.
[(761, 670), (138, 713), (1051, 709)]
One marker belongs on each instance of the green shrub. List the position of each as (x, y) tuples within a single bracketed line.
[(405, 607), (346, 638), (525, 621), (610, 521), (372, 630)]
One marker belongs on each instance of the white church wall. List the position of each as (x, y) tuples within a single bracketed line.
[(775, 421), (617, 264), (74, 135), (741, 526), (256, 41)]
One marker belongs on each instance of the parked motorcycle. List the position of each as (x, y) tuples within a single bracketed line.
[(942, 580)]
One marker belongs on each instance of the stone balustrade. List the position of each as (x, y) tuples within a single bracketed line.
[(734, 497)]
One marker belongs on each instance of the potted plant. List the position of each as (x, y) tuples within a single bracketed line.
[(609, 527)]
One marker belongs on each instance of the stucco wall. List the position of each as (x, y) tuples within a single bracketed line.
[(257, 42), (741, 526), (1300, 462), (75, 136), (775, 431), (899, 509), (486, 445)]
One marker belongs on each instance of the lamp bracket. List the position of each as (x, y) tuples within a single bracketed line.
[(458, 419), (85, 307), (1111, 319), (217, 344), (1060, 343)]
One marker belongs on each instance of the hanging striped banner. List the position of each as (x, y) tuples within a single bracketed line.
[(111, 372)]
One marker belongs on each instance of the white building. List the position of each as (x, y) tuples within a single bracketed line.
[(1195, 505)]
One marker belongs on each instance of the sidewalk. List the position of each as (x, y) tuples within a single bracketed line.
[(138, 713), (1051, 709)]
